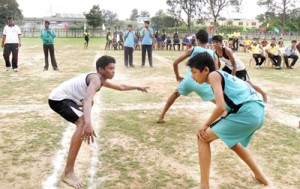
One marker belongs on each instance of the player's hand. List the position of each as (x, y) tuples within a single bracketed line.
[(20, 45), (88, 133), (179, 79), (201, 135), (2, 45), (143, 89)]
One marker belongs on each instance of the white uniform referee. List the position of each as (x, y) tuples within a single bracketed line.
[(11, 42)]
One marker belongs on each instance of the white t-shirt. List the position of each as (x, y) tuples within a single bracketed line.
[(74, 89), (12, 34)]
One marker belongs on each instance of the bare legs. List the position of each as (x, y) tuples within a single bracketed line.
[(68, 175), (244, 154), (169, 103), (205, 159)]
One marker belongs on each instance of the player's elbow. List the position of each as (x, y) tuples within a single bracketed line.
[(221, 108), (121, 88)]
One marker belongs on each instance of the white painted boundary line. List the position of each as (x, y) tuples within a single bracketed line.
[(51, 181)]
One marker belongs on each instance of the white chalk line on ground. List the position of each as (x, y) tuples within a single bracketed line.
[(276, 114), (52, 180)]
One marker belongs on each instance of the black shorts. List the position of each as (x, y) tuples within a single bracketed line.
[(242, 74), (67, 109)]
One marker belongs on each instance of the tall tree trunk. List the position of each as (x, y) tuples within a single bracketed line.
[(189, 23), (215, 23)]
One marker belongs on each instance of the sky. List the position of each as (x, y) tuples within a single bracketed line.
[(41, 8)]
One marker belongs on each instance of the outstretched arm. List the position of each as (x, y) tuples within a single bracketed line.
[(123, 87), (178, 61)]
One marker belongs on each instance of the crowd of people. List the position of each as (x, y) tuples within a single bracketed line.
[(261, 49)]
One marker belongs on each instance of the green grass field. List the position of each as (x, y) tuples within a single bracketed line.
[(134, 151)]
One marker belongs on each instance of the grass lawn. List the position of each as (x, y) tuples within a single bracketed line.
[(135, 152)]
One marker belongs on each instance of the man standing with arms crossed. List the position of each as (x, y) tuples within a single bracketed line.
[(147, 35), (11, 42), (129, 44), (48, 35)]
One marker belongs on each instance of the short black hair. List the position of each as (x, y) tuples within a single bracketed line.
[(10, 18), (294, 41), (273, 38), (202, 60), (146, 21), (103, 61), (217, 38), (129, 25), (47, 21), (202, 36)]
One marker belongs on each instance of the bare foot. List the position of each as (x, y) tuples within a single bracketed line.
[(71, 180), (160, 120), (260, 180)]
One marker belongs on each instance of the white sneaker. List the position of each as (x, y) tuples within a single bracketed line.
[(15, 70), (257, 67), (277, 67), (7, 68)]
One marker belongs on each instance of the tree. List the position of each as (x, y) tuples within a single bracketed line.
[(163, 20), (109, 17), (94, 17), (216, 6), (189, 7), (281, 6), (134, 15), (144, 13), (9, 8)]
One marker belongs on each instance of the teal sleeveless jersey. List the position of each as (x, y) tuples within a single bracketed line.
[(197, 50), (237, 92)]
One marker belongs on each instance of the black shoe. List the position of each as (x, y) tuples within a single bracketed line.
[(56, 69)]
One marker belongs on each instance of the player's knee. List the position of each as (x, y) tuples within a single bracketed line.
[(80, 122)]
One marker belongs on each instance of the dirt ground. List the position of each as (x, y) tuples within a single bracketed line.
[(34, 140)]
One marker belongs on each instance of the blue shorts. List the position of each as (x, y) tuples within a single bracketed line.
[(188, 85), (240, 126)]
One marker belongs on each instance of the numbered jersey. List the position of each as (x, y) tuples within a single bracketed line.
[(236, 91)]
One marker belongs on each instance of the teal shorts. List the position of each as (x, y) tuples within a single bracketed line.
[(239, 127), (188, 85)]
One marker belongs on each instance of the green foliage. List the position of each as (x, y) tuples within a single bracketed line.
[(109, 17), (9, 8), (145, 13), (190, 7), (163, 20), (76, 27), (94, 17), (292, 23), (278, 8), (134, 14)]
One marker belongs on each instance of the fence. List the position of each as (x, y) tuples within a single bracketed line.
[(97, 33)]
